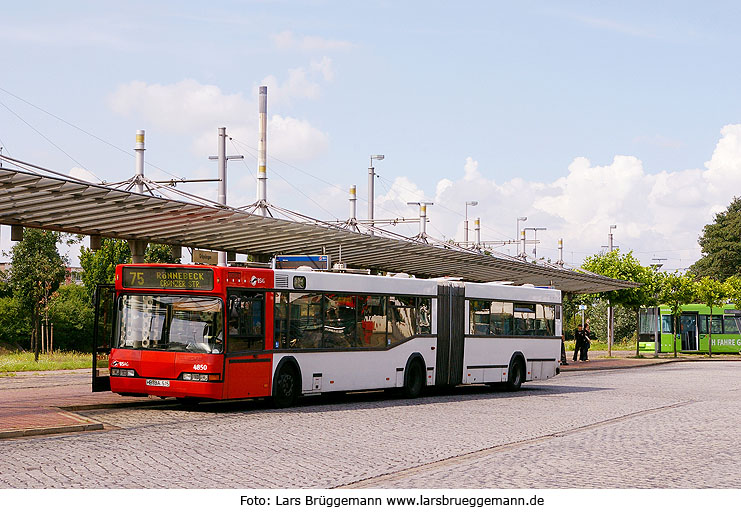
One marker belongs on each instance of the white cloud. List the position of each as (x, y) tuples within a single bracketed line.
[(298, 85), (324, 67), (181, 107), (83, 174), (196, 110), (658, 215), (286, 40), (471, 170)]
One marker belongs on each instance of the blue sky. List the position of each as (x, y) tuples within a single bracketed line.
[(522, 106)]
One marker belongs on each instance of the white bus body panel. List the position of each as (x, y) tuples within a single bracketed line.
[(360, 370), (486, 359)]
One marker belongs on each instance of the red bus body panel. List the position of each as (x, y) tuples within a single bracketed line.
[(249, 376), (240, 376), (167, 366)]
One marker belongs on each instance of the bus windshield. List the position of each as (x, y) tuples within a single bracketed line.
[(192, 324)]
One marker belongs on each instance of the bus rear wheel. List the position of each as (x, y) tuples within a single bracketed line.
[(414, 380), (285, 390), (515, 375)]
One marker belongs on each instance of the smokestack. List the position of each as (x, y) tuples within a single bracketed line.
[(222, 166), (422, 219), (522, 237), (262, 178), (353, 203), (477, 224), (139, 149), (560, 252)]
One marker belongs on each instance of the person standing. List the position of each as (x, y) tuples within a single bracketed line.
[(578, 336), (587, 336), (563, 351)]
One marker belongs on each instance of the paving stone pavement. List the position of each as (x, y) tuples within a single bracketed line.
[(673, 425)]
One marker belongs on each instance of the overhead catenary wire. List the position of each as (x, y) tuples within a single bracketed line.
[(3, 147), (50, 141), (307, 173), (98, 138), (249, 149), (272, 170), (442, 206)]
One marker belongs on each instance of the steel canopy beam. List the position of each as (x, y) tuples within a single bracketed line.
[(38, 201)]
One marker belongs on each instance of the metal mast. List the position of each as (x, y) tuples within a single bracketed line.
[(262, 177)]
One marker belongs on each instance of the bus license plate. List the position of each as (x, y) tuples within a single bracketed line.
[(158, 383)]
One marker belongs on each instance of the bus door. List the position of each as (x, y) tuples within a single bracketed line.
[(688, 331), (248, 366), (105, 296)]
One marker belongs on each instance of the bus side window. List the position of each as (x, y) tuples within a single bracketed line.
[(480, 314), (280, 319), (424, 315), (245, 321)]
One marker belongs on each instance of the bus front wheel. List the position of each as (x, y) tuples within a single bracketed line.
[(285, 392)]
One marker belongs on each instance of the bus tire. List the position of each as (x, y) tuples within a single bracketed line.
[(414, 379), (515, 374), (285, 387)]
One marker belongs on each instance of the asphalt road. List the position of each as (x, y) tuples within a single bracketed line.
[(667, 426)]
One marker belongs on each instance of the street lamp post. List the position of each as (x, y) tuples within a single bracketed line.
[(610, 313), (472, 203), (371, 180)]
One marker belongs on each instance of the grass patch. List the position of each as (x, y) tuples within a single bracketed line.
[(602, 346), (24, 361)]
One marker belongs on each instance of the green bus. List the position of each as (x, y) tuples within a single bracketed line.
[(693, 329)]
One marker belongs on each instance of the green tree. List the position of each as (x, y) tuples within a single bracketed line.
[(677, 290), (712, 293), (14, 323), (99, 266), (649, 296), (721, 245), (160, 253), (624, 321), (36, 272), (72, 315), (571, 312), (624, 267), (733, 290)]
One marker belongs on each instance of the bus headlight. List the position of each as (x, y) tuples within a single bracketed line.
[(118, 372), (200, 377)]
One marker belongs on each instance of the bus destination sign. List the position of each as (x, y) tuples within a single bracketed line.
[(199, 279)]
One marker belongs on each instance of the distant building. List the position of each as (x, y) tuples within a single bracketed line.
[(74, 275)]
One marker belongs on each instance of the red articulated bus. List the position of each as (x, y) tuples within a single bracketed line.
[(197, 332)]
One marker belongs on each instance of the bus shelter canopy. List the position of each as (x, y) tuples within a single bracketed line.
[(67, 205)]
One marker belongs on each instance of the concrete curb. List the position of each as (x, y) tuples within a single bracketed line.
[(627, 366), (121, 405), (28, 432), (644, 364)]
